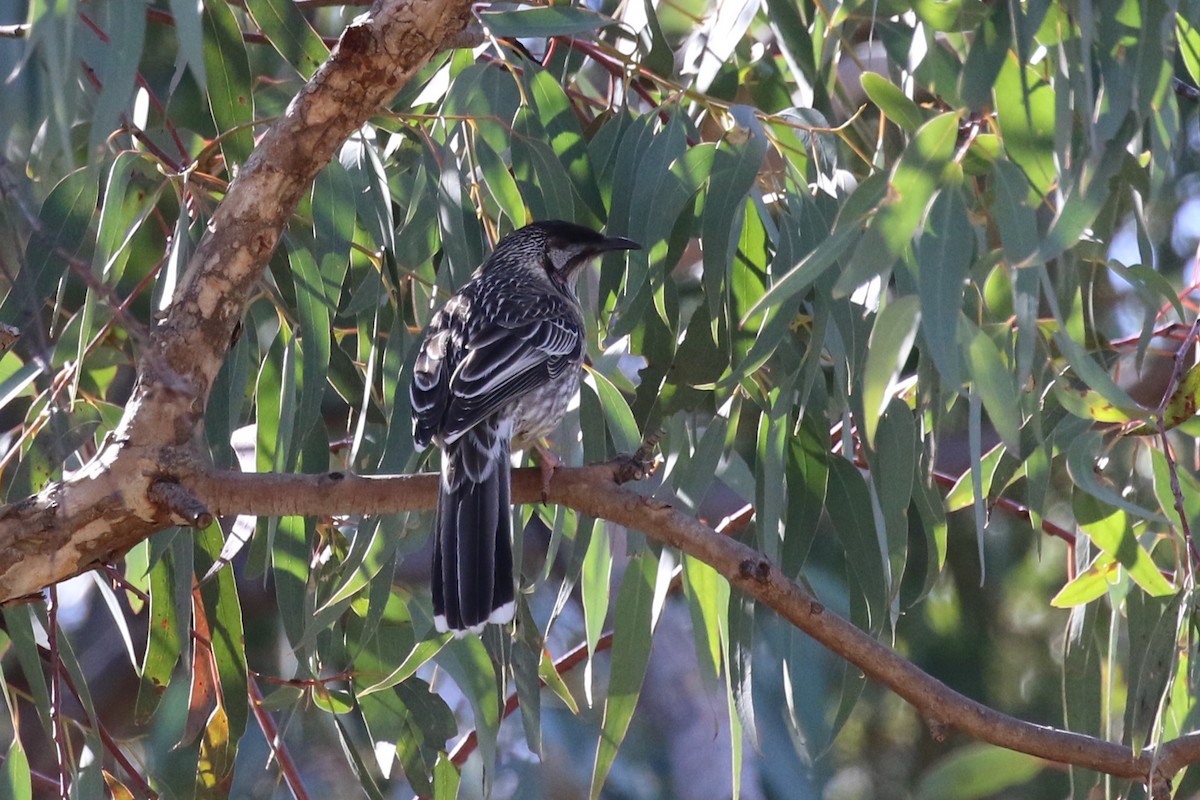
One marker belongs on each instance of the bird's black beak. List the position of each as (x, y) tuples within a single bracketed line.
[(617, 243)]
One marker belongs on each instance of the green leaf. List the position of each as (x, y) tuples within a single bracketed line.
[(1028, 132), (632, 631), (446, 778), (1082, 453), (228, 643), (1189, 46), (87, 779), (125, 208), (977, 771), (773, 428), (621, 424), (962, 493), (893, 472), (189, 32), (550, 676), (467, 662), (546, 21), (15, 780), (848, 504), (1154, 635), (1108, 526), (18, 624), (1089, 585), (898, 107), (290, 34), (370, 550), (594, 589), (944, 251), (993, 380), (989, 48), (557, 115), (1189, 488), (230, 99), (1181, 406), (1015, 218), (1090, 404), (544, 180), (807, 473), (500, 183), (118, 70), (332, 701), (809, 268), (736, 162), (891, 341), (420, 655), (917, 176), (708, 598), (315, 336), (63, 222)]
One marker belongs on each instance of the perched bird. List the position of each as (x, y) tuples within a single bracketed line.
[(498, 366)]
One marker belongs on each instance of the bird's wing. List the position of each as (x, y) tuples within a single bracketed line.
[(504, 359), (439, 354)]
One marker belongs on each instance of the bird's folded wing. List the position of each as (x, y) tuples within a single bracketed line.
[(502, 362)]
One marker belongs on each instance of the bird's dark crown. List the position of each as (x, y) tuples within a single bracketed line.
[(557, 246)]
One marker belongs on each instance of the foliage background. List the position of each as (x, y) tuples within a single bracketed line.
[(909, 286)]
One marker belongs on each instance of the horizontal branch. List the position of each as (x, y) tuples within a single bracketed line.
[(345, 493), (596, 491)]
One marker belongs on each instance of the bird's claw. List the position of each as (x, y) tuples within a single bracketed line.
[(547, 463)]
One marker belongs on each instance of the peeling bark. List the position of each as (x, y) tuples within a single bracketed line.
[(106, 508)]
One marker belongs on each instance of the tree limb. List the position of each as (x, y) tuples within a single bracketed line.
[(106, 507), (597, 491)]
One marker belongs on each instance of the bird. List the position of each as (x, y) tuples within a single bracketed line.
[(496, 370)]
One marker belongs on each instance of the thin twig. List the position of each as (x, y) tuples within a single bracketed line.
[(283, 756), (1177, 371), (111, 745), (56, 703)]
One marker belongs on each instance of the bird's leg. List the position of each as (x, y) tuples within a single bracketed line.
[(547, 464)]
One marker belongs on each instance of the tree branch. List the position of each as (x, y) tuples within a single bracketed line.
[(106, 507), (597, 491)]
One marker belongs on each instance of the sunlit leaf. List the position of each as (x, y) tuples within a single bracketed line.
[(1110, 529), (891, 340), (1088, 585), (892, 101)]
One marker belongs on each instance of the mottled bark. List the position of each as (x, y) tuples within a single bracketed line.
[(104, 509)]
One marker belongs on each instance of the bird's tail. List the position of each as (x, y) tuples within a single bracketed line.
[(472, 549)]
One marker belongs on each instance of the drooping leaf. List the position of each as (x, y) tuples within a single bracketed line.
[(230, 98), (632, 629), (891, 340), (289, 33)]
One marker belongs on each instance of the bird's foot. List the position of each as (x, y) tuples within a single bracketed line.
[(547, 463)]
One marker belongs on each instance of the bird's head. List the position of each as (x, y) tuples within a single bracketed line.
[(558, 249)]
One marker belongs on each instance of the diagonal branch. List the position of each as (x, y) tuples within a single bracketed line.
[(105, 508)]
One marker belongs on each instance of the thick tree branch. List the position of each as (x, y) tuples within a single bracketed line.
[(597, 491), (107, 507)]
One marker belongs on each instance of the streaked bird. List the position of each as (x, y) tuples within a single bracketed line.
[(499, 364)]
